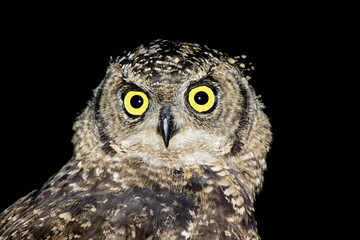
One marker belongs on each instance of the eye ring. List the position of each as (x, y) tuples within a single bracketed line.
[(201, 98), (136, 103)]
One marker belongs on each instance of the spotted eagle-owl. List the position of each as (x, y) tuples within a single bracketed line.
[(172, 146)]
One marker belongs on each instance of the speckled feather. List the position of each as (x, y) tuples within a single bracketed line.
[(123, 183)]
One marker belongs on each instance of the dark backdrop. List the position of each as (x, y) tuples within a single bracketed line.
[(52, 64)]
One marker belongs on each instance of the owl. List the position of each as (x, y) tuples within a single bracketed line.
[(172, 146)]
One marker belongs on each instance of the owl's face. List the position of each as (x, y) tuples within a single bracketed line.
[(169, 108)]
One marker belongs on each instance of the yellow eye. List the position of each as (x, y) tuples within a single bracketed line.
[(136, 102), (201, 98)]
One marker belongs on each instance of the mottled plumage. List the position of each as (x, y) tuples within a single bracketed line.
[(173, 171)]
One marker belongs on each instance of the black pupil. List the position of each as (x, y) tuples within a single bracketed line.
[(136, 101), (201, 98)]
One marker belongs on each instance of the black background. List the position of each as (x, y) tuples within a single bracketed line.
[(53, 60)]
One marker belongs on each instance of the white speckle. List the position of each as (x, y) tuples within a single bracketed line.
[(242, 210), (79, 164), (36, 211), (231, 60), (166, 209), (157, 69), (176, 60), (84, 176), (66, 216), (208, 189), (52, 213), (133, 233), (216, 168), (247, 156), (131, 55), (87, 224), (229, 191), (251, 154), (73, 172), (242, 65), (116, 176), (226, 166), (121, 59), (223, 182), (98, 171), (227, 233), (185, 234), (237, 201), (188, 70)]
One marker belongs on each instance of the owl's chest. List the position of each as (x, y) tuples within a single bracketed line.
[(138, 212), (147, 212)]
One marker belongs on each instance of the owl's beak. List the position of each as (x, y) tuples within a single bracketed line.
[(166, 125)]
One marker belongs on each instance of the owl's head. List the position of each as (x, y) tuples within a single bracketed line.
[(173, 104)]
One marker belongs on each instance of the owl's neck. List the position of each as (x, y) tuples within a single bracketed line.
[(95, 158), (202, 180)]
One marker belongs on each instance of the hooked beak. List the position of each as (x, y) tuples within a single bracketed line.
[(166, 125)]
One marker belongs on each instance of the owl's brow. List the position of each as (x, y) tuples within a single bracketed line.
[(207, 79), (127, 86)]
